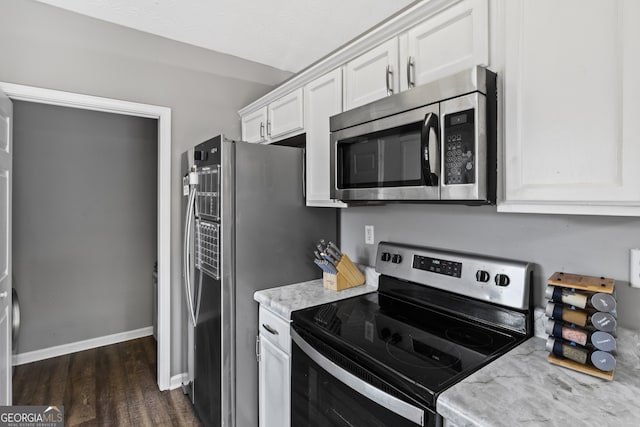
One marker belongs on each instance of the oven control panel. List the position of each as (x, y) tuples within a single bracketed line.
[(435, 265), (496, 280)]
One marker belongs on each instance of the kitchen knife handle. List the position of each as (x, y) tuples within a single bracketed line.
[(336, 249), (269, 329)]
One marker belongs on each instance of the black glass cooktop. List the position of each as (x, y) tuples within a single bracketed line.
[(428, 348)]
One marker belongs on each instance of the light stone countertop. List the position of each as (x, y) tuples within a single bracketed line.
[(518, 389), (285, 299), (521, 388)]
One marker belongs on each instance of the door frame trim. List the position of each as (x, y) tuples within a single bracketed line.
[(163, 115)]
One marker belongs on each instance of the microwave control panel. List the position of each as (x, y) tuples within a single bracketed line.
[(459, 148)]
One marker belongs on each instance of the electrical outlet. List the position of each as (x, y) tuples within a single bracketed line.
[(634, 268), (368, 234)]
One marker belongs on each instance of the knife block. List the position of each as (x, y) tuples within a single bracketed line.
[(348, 276)]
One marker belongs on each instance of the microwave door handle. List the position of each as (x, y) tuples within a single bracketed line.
[(428, 174)]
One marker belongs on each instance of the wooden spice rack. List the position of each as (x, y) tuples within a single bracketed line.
[(586, 284), (348, 276)]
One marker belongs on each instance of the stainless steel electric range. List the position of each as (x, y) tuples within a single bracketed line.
[(382, 359)]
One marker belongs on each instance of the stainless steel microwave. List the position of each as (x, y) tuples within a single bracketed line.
[(435, 142)]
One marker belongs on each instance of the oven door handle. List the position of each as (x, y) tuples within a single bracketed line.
[(392, 403), (429, 174)]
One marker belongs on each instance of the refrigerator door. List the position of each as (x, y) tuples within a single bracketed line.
[(207, 355), (205, 339), (264, 236), (274, 235)]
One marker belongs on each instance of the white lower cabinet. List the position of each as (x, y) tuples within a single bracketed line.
[(274, 370)]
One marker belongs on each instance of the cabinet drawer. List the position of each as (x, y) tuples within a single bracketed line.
[(275, 328)]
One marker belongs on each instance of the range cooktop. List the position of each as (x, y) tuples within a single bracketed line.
[(425, 336)]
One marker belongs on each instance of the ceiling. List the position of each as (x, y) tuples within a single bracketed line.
[(285, 34)]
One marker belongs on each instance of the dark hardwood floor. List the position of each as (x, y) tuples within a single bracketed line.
[(113, 385)]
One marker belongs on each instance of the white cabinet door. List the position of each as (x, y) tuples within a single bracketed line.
[(322, 99), (450, 41), (6, 153), (572, 102), (285, 116), (373, 75), (274, 385), (254, 126)]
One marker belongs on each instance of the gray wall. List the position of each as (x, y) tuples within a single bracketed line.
[(52, 48), (84, 229), (590, 245)]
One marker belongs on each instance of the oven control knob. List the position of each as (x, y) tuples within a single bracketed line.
[(397, 259), (502, 280), (386, 257), (482, 276)]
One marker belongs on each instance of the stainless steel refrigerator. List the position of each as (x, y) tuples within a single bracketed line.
[(246, 228)]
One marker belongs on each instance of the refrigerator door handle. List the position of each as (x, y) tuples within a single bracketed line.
[(186, 252)]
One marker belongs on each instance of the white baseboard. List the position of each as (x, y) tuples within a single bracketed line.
[(60, 350), (178, 380)]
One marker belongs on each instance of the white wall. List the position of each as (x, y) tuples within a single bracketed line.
[(84, 229), (48, 47)]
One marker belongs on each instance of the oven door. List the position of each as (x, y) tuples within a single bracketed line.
[(393, 158), (323, 393)]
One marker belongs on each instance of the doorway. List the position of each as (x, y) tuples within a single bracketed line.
[(163, 117)]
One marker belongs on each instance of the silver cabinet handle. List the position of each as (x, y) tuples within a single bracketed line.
[(392, 403), (258, 348), (261, 130), (389, 76), (410, 72), (4, 294), (268, 127), (269, 329)]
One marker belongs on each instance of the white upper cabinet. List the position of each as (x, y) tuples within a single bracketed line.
[(449, 40), (254, 126), (280, 119), (322, 99), (372, 75), (285, 116), (572, 102), (452, 40)]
